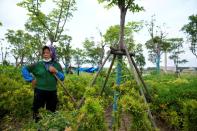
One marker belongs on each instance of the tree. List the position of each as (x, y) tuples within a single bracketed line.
[(154, 49), (191, 30), (79, 58), (40, 37), (92, 52), (4, 51), (112, 34), (54, 22), (21, 43), (139, 57), (177, 44), (123, 5), (35, 53), (166, 47), (102, 45), (64, 50), (156, 44)]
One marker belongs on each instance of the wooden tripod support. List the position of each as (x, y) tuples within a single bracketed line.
[(137, 76)]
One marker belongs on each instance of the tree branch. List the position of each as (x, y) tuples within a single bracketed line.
[(65, 19), (59, 18), (36, 12), (129, 3)]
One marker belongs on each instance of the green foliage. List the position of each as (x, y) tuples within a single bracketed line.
[(64, 51), (93, 53), (139, 57), (157, 44), (190, 115), (59, 120), (21, 43), (76, 85), (133, 103), (91, 116), (79, 57), (126, 3), (176, 45), (11, 85), (174, 101), (171, 96), (154, 46), (48, 27), (191, 30), (5, 63), (53, 23), (112, 34)]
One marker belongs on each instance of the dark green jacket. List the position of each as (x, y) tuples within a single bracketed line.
[(44, 79)]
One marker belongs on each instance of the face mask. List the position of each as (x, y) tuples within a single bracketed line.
[(47, 60)]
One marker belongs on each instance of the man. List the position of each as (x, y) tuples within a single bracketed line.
[(44, 80)]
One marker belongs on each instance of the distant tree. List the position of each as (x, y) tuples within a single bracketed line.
[(79, 58), (154, 49), (64, 50), (102, 44), (191, 30), (21, 45), (156, 44), (112, 34), (3, 56), (176, 50), (139, 57), (4, 51), (92, 52), (166, 48), (6, 63)]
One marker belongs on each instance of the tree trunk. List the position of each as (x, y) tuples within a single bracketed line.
[(101, 58), (165, 59), (158, 63), (122, 23), (6, 53), (158, 58), (16, 61), (2, 56), (21, 61)]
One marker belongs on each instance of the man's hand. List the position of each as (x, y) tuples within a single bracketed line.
[(33, 83), (52, 69)]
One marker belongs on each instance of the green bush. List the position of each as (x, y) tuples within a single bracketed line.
[(133, 103), (91, 117), (169, 95), (15, 98), (59, 120), (190, 115)]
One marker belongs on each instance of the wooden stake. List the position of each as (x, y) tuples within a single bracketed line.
[(108, 73)]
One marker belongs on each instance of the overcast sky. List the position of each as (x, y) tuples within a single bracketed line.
[(91, 16)]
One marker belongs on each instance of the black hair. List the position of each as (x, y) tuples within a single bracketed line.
[(44, 48)]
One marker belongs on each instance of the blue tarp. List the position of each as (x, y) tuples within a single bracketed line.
[(89, 70)]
